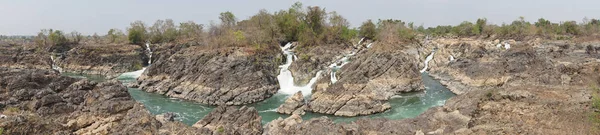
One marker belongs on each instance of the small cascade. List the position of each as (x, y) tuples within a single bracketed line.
[(506, 46), (345, 60), (134, 74), (54, 66), (149, 53), (334, 67), (361, 40), (427, 61), (369, 45), (285, 78)]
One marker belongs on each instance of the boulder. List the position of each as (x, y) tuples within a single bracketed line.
[(295, 104), (231, 120)]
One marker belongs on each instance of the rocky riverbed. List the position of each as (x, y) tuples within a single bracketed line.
[(518, 87), (224, 76)]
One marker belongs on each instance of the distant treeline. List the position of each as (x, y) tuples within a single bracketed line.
[(311, 26)]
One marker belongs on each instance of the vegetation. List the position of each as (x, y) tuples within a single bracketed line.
[(368, 30), (520, 29), (137, 33), (312, 26), (114, 36)]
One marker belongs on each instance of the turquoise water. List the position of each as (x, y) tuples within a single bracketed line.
[(403, 106)]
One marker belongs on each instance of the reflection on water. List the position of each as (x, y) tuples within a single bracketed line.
[(403, 106)]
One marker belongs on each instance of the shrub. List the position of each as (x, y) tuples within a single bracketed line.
[(163, 31), (368, 30), (137, 33)]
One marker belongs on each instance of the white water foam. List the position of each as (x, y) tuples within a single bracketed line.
[(134, 74), (427, 61), (150, 53), (506, 46), (361, 41), (369, 45)]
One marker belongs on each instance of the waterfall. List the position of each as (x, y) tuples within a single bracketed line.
[(361, 41), (333, 77), (427, 61), (369, 45), (285, 78), (54, 66), (149, 53)]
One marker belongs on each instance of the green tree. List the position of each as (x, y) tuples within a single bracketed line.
[(368, 30), (163, 31), (339, 31), (315, 19), (137, 33), (57, 37), (290, 22), (190, 30), (227, 19), (115, 36), (570, 27), (480, 26), (465, 29)]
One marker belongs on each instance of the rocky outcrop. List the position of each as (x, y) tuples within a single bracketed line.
[(366, 83), (231, 120), (480, 63), (312, 59), (293, 105), (221, 76), (24, 57), (43, 102), (109, 60), (514, 110), (546, 92), (294, 125)]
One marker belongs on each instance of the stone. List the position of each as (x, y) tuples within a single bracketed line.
[(231, 120), (294, 104), (222, 76)]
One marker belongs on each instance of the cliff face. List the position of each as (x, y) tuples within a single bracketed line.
[(223, 76), (106, 59)]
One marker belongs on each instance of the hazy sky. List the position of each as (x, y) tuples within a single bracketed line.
[(27, 17)]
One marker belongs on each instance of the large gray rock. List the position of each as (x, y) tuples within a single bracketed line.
[(43, 102), (366, 83), (231, 120), (294, 125), (224, 76), (314, 58), (295, 104)]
